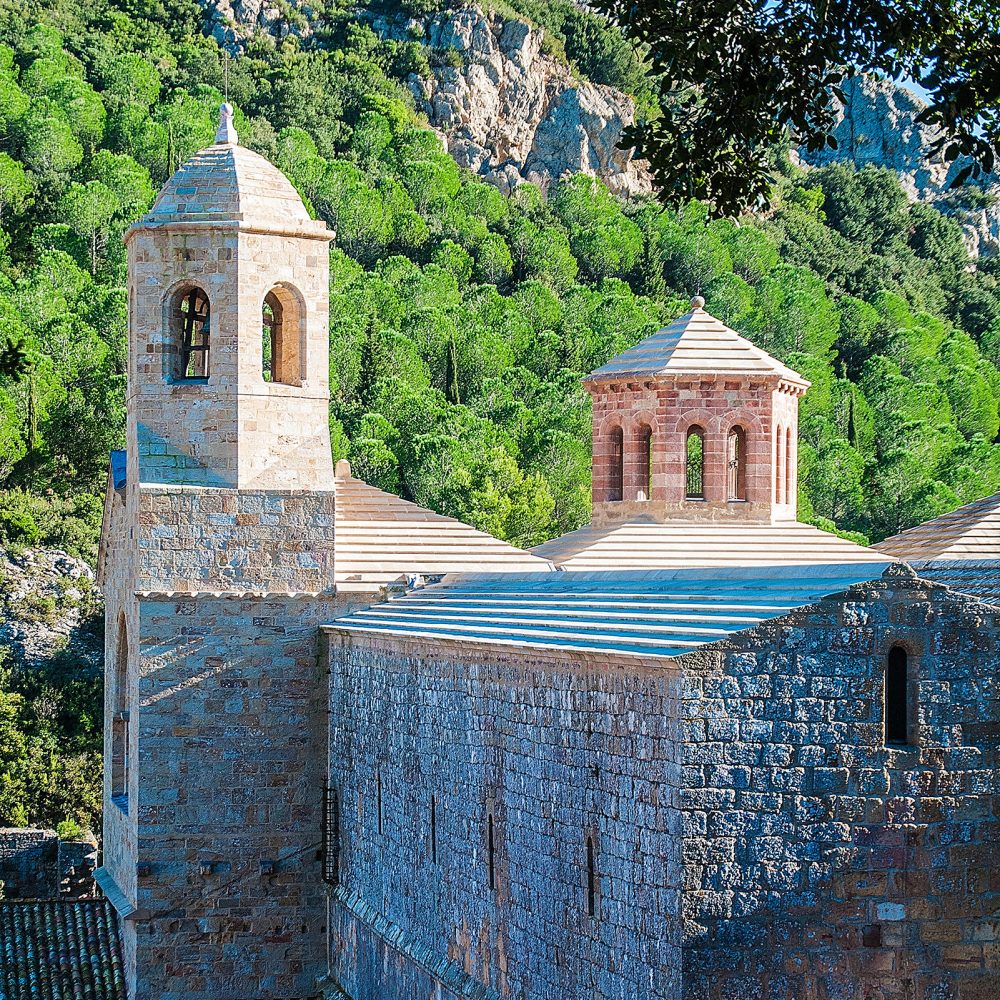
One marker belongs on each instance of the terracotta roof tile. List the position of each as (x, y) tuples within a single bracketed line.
[(695, 344), (53, 949), (650, 545), (971, 532), (381, 538)]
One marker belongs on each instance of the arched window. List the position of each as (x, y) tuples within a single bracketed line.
[(119, 717), (736, 464), (616, 467), (282, 336), (897, 686), (695, 451), (644, 472), (782, 457), (190, 323), (790, 470)]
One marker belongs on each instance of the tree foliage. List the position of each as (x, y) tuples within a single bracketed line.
[(734, 78)]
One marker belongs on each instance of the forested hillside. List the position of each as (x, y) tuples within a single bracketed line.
[(461, 320)]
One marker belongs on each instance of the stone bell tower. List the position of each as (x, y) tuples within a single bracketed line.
[(217, 568), (695, 423), (229, 349)]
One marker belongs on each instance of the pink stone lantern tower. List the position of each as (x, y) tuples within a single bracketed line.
[(696, 423)]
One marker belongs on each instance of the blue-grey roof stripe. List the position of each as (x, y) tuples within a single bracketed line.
[(657, 614)]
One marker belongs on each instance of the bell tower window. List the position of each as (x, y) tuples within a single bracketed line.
[(616, 470), (736, 464), (281, 336), (790, 471), (192, 323), (644, 477), (695, 464)]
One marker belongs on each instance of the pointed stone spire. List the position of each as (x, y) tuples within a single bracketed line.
[(226, 135)]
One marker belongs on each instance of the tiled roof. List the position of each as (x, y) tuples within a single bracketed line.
[(645, 544), (978, 578), (639, 614), (695, 344), (971, 532), (228, 182), (59, 950), (381, 538)]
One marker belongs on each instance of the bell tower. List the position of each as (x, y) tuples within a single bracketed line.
[(695, 423), (218, 569), (229, 342)]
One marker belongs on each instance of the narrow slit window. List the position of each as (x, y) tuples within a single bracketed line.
[(896, 697), (378, 800), (194, 322), (695, 450), (645, 470), (120, 718), (616, 472), (491, 852), (434, 845), (331, 837), (736, 464), (591, 878)]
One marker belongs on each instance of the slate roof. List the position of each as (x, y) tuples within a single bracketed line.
[(637, 614), (979, 578), (381, 538), (55, 949), (695, 344), (971, 532), (645, 544)]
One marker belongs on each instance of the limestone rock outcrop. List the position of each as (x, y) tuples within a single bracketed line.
[(878, 125), (511, 112), (48, 603)]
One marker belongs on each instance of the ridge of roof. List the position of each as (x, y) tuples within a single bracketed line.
[(381, 538), (645, 543), (972, 532), (695, 344)]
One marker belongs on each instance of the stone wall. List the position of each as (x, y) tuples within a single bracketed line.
[(217, 539), (29, 863), (820, 863), (556, 749), (229, 720)]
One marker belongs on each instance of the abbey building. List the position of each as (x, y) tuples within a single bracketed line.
[(695, 750)]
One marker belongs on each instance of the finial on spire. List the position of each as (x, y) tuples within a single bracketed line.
[(227, 131), (698, 302)]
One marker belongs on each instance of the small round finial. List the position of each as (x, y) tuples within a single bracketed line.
[(698, 302), (342, 470), (226, 134)]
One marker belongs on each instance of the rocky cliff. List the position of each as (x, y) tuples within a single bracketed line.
[(504, 107), (510, 112), (878, 124), (48, 603)]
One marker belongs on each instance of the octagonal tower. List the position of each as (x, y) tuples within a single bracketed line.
[(695, 422)]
